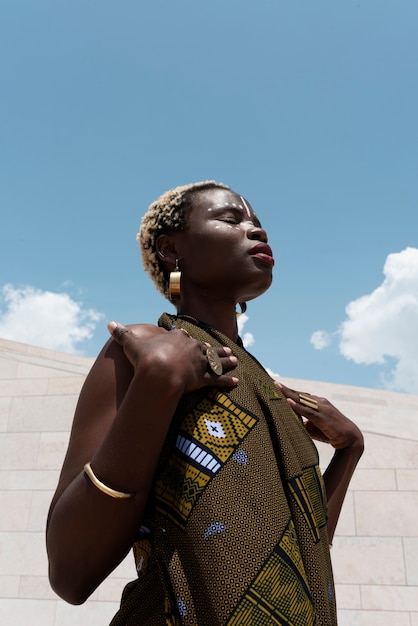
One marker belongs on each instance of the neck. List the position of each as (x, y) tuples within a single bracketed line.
[(223, 318)]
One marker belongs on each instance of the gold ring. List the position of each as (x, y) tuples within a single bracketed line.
[(305, 399), (214, 360)]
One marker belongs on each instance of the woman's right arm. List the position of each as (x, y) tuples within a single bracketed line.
[(120, 425)]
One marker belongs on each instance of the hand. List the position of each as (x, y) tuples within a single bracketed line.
[(325, 423), (173, 355)]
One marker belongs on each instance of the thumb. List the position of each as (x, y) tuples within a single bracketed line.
[(117, 331)]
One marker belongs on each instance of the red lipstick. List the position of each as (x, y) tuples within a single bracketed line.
[(263, 252)]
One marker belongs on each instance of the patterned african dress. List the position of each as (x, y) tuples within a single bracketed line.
[(236, 527)]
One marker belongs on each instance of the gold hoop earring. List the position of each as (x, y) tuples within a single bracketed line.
[(243, 307), (174, 283)]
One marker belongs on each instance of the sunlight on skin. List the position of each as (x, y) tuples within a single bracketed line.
[(246, 207)]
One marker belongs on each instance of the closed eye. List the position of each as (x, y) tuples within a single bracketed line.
[(230, 220), (230, 215)]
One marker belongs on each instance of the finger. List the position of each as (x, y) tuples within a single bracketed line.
[(229, 362), (286, 391), (306, 400), (219, 358), (289, 394), (305, 407), (280, 385), (221, 381), (117, 331), (224, 351), (228, 381), (301, 400), (227, 358)]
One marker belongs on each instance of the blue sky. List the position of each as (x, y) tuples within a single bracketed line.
[(307, 109)]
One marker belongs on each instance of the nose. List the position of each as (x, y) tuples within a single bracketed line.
[(257, 233)]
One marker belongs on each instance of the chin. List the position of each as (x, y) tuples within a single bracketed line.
[(261, 288)]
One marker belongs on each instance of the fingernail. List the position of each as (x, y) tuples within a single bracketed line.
[(111, 327)]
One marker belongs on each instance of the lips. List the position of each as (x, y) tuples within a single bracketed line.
[(263, 252)]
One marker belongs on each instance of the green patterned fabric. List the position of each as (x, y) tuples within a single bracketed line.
[(236, 528)]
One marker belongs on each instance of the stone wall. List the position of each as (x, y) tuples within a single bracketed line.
[(375, 551)]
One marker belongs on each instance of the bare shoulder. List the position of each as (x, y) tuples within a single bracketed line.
[(101, 395), (110, 376), (113, 364)]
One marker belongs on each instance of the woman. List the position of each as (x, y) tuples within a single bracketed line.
[(183, 446)]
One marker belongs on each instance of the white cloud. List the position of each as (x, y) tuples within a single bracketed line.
[(382, 327), (320, 339), (242, 320), (273, 374), (43, 318), (247, 338)]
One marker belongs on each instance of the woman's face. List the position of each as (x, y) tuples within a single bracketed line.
[(224, 249)]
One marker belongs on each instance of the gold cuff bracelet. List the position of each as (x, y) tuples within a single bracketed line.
[(102, 487)]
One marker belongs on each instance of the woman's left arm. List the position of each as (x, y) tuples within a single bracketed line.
[(324, 422)]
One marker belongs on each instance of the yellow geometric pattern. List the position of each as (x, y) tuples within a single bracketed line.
[(178, 492), (208, 436), (309, 493), (218, 408), (279, 594), (171, 617), (270, 392)]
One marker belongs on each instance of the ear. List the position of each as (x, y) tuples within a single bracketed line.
[(166, 249)]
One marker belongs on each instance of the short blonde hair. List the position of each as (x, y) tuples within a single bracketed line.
[(167, 214)]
